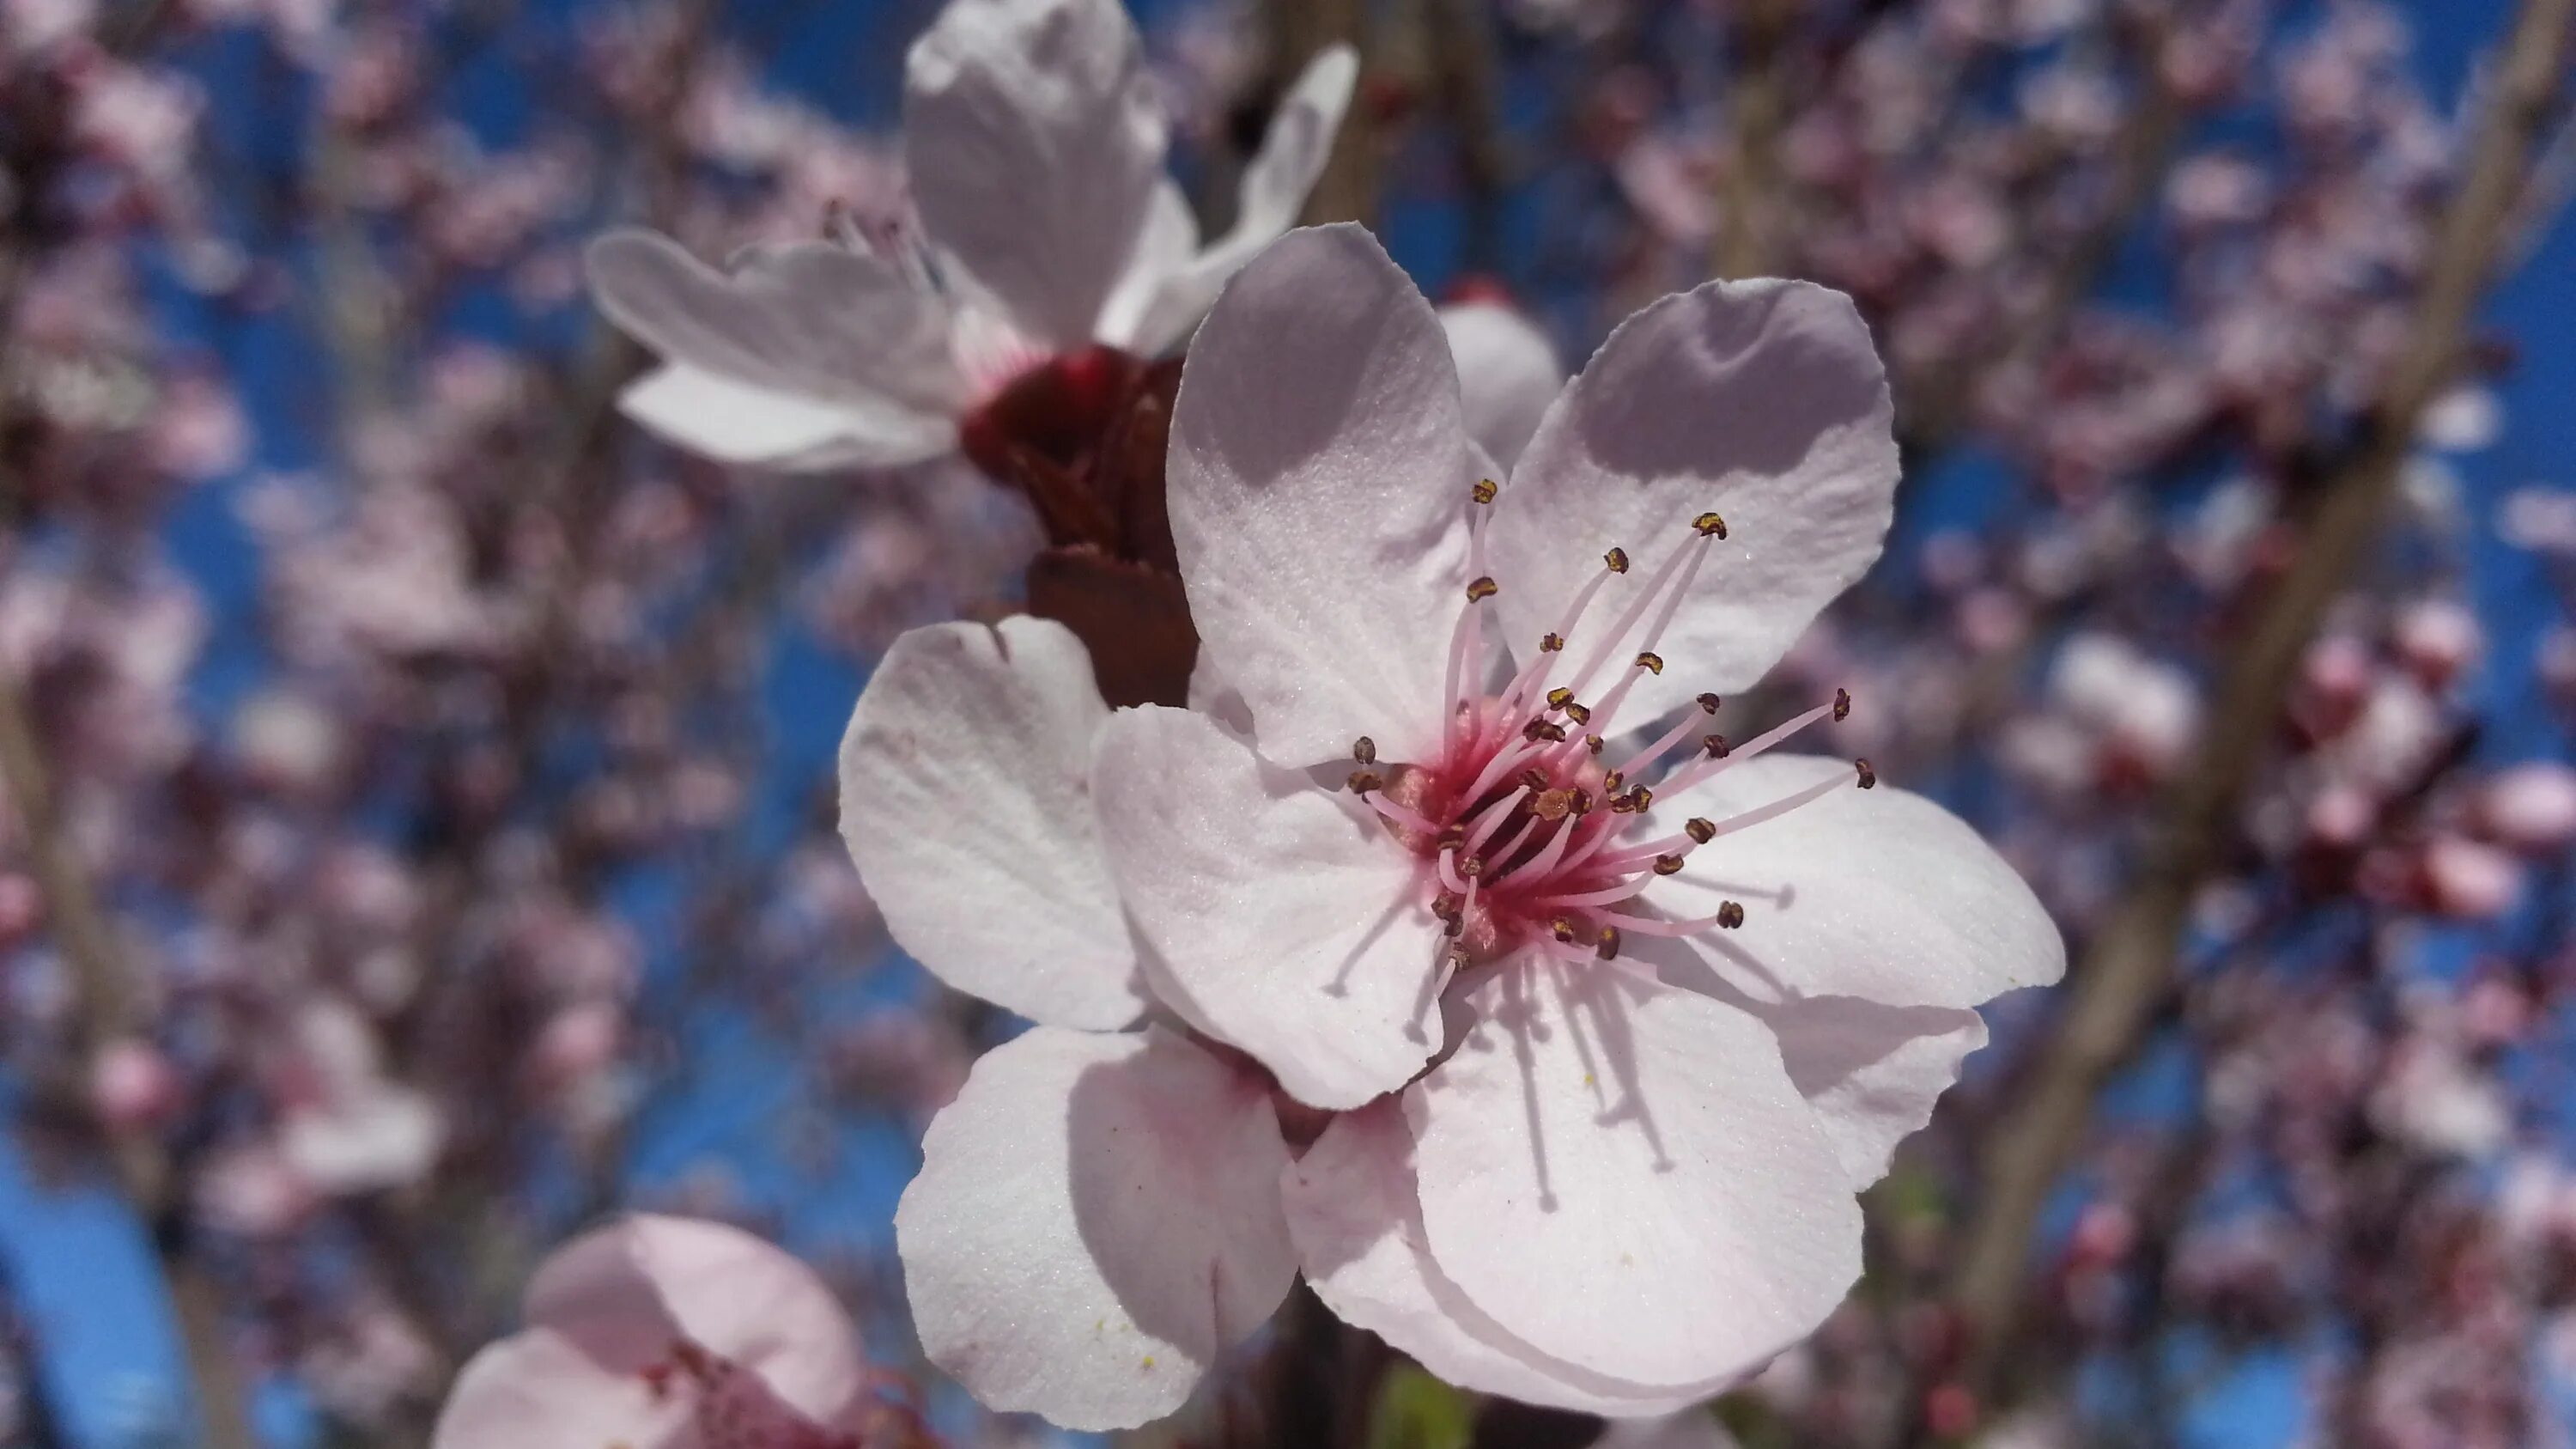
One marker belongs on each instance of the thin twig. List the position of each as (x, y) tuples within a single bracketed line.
[(2131, 964), (105, 999)]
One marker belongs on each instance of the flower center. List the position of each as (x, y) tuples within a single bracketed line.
[(731, 1407), (1532, 830)]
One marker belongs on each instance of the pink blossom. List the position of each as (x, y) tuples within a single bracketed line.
[(133, 1086), (1035, 143), (1504, 1154), (2531, 806), (667, 1333), (2470, 880)]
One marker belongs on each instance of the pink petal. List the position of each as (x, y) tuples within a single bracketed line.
[(536, 1390), (733, 422), (1319, 477), (1273, 192), (1507, 375), (965, 800), (615, 1303), (1165, 247), (1690, 1429), (1761, 401), (1290, 926), (1356, 1214), (1878, 894), (809, 331), (624, 1293), (1034, 141), (1096, 1218), (1623, 1175), (1871, 1072)]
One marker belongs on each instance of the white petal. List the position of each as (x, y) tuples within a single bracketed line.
[(1507, 375), (1095, 1219), (1319, 477), (612, 1303), (737, 423), (623, 1294), (1034, 142), (1878, 894), (1355, 1212), (1622, 1174), (1294, 929), (1691, 1429), (1273, 192), (966, 802), (814, 320), (1167, 246), (1872, 1072), (535, 1390), (378, 1135), (1760, 401)]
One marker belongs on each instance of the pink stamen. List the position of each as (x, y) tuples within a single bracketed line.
[(1784, 804), (1691, 724), (1628, 618), (1553, 851), (1491, 818), (1690, 775), (1467, 641), (1631, 887), (1696, 550), (1408, 818), (1515, 696)]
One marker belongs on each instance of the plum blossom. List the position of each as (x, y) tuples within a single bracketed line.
[(1053, 252), (1436, 951), (661, 1332)]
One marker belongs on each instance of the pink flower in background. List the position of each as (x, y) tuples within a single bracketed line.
[(1049, 232), (667, 1333), (1546, 1212)]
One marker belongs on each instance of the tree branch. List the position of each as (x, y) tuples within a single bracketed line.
[(2130, 966), (106, 1002)]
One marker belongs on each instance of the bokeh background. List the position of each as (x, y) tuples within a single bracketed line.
[(418, 840)]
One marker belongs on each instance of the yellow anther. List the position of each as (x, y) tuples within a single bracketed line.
[(1481, 588), (1651, 662), (1484, 490), (1559, 697), (1617, 559), (1710, 525), (1550, 643)]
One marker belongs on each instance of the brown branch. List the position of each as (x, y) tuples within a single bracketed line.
[(1297, 30), (2129, 967), (106, 1001), (1750, 204)]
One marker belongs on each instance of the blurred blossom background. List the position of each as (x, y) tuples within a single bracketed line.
[(418, 834)]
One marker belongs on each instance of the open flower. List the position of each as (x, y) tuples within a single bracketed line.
[(1054, 253), (1584, 1024), (667, 1333)]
